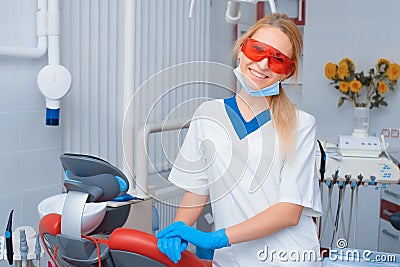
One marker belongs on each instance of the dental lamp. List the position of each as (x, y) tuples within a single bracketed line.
[(232, 14)]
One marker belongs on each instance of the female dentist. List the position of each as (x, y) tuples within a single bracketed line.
[(253, 157)]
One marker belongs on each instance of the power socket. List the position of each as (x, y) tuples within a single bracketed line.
[(2, 248)]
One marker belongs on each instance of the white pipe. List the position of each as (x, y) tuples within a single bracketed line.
[(41, 31), (53, 30), (128, 90), (191, 8), (141, 164)]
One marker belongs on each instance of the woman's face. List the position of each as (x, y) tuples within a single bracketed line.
[(257, 74)]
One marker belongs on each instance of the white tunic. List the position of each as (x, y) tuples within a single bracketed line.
[(241, 167)]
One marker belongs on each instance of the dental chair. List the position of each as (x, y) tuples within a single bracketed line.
[(71, 237)]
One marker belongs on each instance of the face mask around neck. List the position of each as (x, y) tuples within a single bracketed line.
[(267, 91)]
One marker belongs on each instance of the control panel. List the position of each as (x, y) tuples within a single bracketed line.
[(368, 171)]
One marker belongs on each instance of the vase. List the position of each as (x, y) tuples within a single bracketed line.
[(361, 122)]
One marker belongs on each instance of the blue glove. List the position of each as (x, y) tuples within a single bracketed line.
[(172, 247), (212, 240)]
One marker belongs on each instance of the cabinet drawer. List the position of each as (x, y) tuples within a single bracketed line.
[(389, 238), (387, 209), (392, 194)]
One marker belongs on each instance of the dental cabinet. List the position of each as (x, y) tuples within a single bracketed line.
[(389, 237)]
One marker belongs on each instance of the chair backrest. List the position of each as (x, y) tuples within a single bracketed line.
[(145, 244)]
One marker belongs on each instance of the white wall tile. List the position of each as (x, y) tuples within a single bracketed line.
[(39, 168), (29, 95), (9, 176), (30, 199), (34, 134), (9, 132)]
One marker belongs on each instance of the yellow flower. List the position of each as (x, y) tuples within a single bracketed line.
[(382, 87), (348, 61), (393, 72), (363, 88), (344, 87), (330, 70), (355, 86), (343, 70), (382, 61)]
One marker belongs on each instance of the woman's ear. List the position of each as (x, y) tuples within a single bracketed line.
[(240, 56)]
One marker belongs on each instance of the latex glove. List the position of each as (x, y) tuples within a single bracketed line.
[(172, 247), (212, 240)]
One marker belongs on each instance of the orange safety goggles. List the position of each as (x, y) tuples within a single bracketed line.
[(277, 61)]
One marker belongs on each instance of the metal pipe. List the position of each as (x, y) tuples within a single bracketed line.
[(141, 164)]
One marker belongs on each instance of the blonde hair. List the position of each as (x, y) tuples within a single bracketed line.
[(284, 112)]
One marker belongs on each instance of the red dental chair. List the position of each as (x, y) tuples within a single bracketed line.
[(69, 243)]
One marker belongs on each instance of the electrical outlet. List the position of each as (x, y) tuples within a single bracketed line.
[(386, 132), (394, 133), (2, 246)]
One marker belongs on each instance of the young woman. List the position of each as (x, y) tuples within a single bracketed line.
[(253, 156)]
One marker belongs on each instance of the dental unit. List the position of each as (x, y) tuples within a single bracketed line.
[(349, 169), (87, 210)]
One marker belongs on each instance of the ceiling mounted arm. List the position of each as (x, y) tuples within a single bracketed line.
[(232, 14)]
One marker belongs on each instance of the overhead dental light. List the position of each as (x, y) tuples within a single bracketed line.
[(232, 14)]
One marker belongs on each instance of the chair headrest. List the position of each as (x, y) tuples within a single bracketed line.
[(95, 176)]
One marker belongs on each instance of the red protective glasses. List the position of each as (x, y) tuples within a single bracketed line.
[(277, 61)]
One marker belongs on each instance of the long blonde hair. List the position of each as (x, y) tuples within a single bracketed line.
[(284, 112)]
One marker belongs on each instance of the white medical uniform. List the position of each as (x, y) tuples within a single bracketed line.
[(241, 167)]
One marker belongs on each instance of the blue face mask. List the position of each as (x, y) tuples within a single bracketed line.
[(267, 91)]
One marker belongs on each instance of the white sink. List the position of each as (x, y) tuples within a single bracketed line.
[(93, 213)]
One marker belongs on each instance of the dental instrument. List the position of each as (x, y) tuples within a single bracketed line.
[(23, 247), (8, 236), (322, 175), (38, 251)]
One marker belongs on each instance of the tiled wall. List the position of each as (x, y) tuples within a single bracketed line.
[(29, 166)]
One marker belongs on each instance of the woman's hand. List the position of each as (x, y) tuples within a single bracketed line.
[(172, 247), (212, 240)]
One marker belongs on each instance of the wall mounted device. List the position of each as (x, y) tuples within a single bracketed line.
[(54, 80), (366, 147)]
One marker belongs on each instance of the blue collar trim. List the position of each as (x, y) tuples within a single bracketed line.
[(242, 127)]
